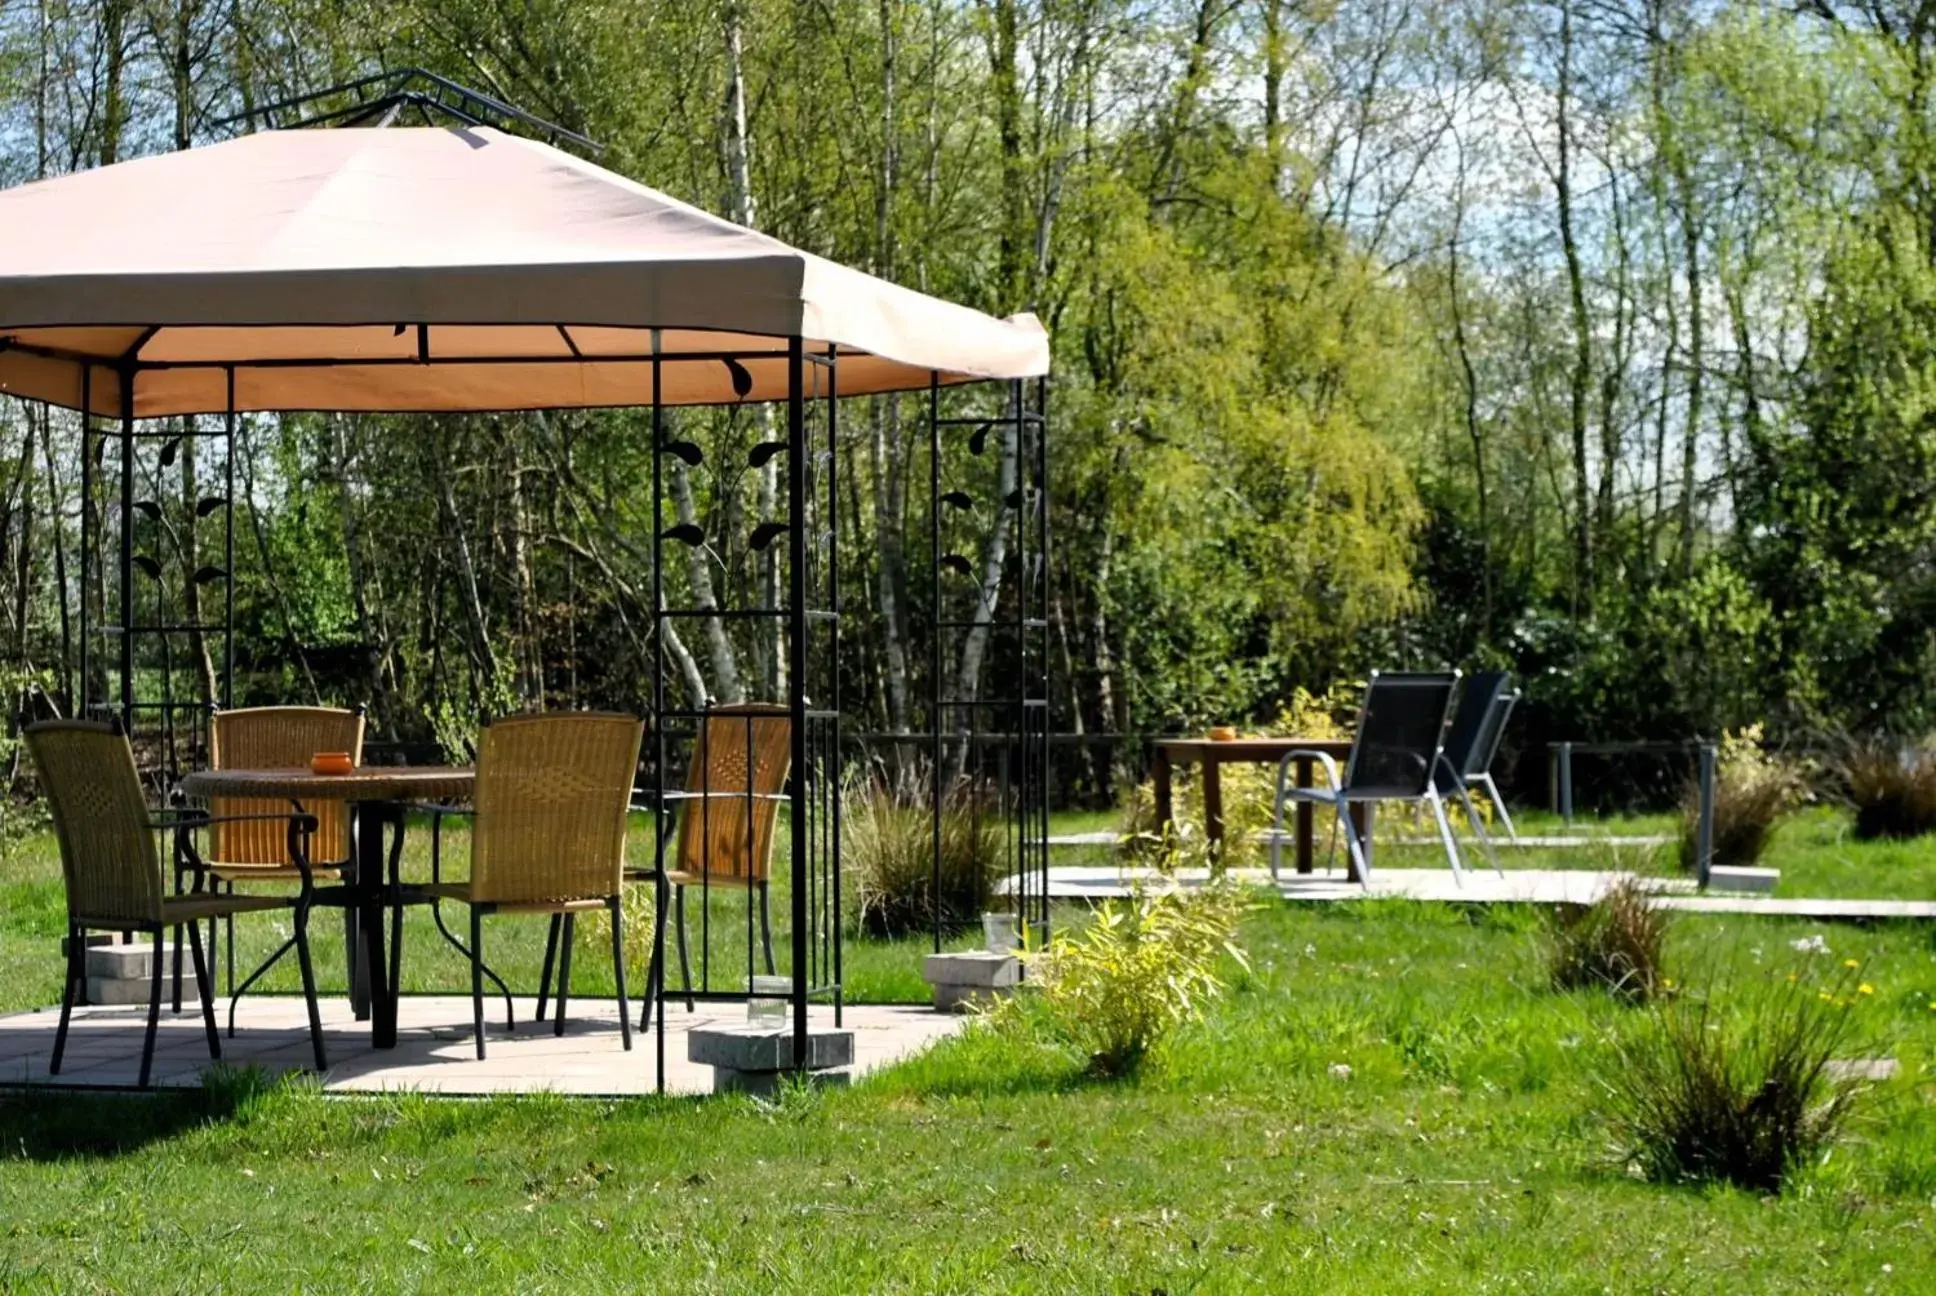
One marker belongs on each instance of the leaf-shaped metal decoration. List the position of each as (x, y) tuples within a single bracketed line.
[(742, 380), (148, 509), (763, 534), (954, 562), (978, 440), (764, 451), (209, 503), (685, 533), (100, 450), (1014, 499), (208, 575), (958, 499), (400, 330), (168, 449), (685, 450), (148, 565)]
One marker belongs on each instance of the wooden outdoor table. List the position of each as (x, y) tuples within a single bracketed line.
[(372, 793), (1214, 755)]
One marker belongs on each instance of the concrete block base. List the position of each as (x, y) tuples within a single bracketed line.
[(757, 1058), (1752, 881), (119, 974), (971, 978)]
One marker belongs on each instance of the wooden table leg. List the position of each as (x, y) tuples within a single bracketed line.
[(1160, 777), (1304, 817), (1213, 802)]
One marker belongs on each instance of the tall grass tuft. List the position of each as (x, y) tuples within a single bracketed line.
[(1753, 789), (1614, 944), (1117, 987), (1893, 792), (887, 850), (1735, 1085)]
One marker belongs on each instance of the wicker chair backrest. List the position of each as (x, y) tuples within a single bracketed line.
[(552, 796), (107, 843), (280, 737)]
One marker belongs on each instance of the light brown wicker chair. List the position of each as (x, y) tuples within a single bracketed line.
[(113, 874), (246, 847), (548, 834), (725, 821)]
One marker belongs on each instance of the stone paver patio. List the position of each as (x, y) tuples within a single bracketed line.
[(434, 1052)]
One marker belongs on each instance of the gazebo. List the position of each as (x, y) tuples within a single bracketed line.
[(431, 269)]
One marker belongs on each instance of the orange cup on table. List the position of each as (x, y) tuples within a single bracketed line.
[(1223, 733), (331, 763)]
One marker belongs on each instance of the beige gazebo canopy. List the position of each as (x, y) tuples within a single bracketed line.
[(434, 269)]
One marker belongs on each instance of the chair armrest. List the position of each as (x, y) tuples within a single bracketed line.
[(1322, 758)]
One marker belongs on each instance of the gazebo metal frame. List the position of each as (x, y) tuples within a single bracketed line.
[(1003, 739)]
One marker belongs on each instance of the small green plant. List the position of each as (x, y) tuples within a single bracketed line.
[(1892, 791), (1735, 1084), (1614, 944), (888, 849), (1117, 987), (1753, 789)]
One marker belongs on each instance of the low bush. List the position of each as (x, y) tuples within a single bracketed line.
[(1736, 1086), (1753, 789), (887, 851), (1614, 944), (1892, 791), (1117, 987)]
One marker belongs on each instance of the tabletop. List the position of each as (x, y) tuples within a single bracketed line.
[(365, 783), (1250, 749)]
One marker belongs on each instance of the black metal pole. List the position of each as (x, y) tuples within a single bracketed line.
[(127, 547), (228, 550), (90, 532), (655, 987), (835, 935), (935, 622), (797, 623)]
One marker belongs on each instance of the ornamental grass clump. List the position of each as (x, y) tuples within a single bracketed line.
[(1614, 944), (887, 850), (1892, 791), (1734, 1084), (1117, 987), (1753, 789)]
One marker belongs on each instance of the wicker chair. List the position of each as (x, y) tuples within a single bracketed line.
[(548, 834), (246, 847), (113, 875), (734, 788)]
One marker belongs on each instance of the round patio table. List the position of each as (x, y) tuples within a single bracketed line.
[(373, 793)]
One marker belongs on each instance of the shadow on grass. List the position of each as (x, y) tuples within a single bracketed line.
[(65, 1125)]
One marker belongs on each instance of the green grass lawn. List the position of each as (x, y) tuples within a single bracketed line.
[(1464, 1151)]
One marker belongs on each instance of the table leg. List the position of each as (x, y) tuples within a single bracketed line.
[(1160, 777), (355, 955), (370, 894), (1213, 802), (1304, 818)]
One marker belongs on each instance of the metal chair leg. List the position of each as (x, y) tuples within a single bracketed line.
[(202, 986), (1445, 836), (551, 952), (308, 967), (1479, 829), (1354, 850), (510, 1017), (766, 926), (685, 964), (76, 976), (1499, 804), (477, 978), (564, 973), (655, 970), (617, 907), (154, 1009), (176, 975)]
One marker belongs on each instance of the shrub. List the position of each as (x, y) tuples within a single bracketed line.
[(1893, 792), (1753, 789), (887, 849), (1116, 988), (1736, 1089), (1613, 944)]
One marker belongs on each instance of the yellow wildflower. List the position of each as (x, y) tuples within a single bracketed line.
[(1851, 963), (1865, 988)]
